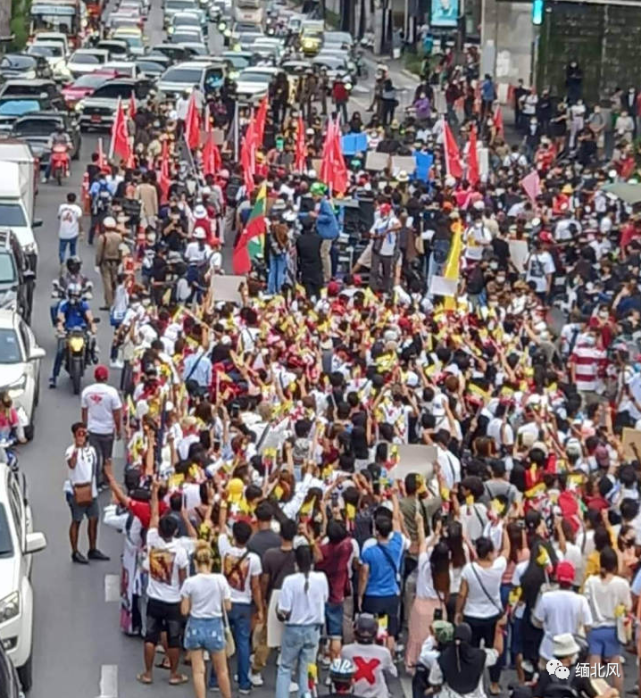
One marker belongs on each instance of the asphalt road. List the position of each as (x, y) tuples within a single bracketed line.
[(79, 650)]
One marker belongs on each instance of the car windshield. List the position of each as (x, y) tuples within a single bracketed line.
[(87, 59), (18, 62), (6, 542), (24, 88), (179, 5), (17, 107), (247, 76), (186, 20), (132, 40), (12, 214), (46, 51), (9, 353), (238, 62), (188, 75), (150, 66), (36, 127), (91, 80)]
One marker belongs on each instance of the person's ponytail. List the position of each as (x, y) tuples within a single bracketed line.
[(303, 556)]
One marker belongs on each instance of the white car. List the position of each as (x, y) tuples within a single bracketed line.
[(17, 543), (54, 52), (87, 60), (58, 37), (20, 358), (253, 83)]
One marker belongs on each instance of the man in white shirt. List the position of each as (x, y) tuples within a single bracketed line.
[(167, 564), (449, 464), (82, 493), (102, 413), (70, 227), (385, 232)]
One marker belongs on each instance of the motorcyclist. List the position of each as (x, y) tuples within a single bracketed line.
[(73, 275), (58, 137), (73, 313), (341, 674)]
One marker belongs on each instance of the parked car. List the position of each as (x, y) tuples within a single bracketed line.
[(153, 66), (17, 281), (22, 65), (98, 110), (58, 37), (9, 681), (18, 542), (36, 129), (86, 85), (54, 53), (253, 83), (38, 88)]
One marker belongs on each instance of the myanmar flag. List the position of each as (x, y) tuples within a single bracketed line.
[(251, 241)]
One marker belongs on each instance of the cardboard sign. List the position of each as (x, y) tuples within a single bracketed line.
[(377, 161), (414, 458), (403, 162), (519, 253), (632, 443), (227, 288), (423, 163)]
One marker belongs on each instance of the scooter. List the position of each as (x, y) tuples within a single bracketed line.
[(59, 163)]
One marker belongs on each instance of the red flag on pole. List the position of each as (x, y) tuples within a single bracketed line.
[(498, 120), (212, 160), (119, 136), (102, 161), (339, 173), (327, 163), (261, 120), (192, 124), (164, 181), (301, 147), (453, 165), (473, 175), (248, 157), (132, 106)]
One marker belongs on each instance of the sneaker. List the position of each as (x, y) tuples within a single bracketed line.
[(244, 691), (255, 679), (79, 558), (293, 687), (52, 383), (96, 554), (116, 364), (214, 689)]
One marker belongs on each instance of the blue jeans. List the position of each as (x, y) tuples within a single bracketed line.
[(277, 270), (240, 625), (62, 247), (300, 643)]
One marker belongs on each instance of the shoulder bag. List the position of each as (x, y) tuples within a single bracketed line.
[(83, 491), (230, 644), (388, 556)]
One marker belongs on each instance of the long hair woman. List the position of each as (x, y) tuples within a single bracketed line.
[(301, 607), (460, 555), (206, 597)]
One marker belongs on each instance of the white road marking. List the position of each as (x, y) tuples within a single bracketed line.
[(406, 685), (112, 588), (109, 681)]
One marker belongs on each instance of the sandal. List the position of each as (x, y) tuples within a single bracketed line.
[(141, 678), (179, 680), (163, 664)]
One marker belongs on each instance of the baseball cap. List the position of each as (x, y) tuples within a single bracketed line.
[(101, 373), (565, 572)]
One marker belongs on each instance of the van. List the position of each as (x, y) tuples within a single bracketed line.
[(16, 206)]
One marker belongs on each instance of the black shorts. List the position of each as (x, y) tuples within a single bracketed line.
[(104, 445), (164, 617), (384, 606)]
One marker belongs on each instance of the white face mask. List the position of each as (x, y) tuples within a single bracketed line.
[(146, 302)]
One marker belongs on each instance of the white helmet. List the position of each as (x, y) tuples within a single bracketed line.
[(200, 233)]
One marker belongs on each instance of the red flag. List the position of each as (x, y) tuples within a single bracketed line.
[(192, 124), (301, 147), (473, 175), (248, 157), (339, 173), (261, 120), (212, 160), (532, 185), (164, 181), (132, 106), (119, 136), (327, 163), (453, 165), (498, 120)]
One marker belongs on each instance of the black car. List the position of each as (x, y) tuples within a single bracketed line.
[(22, 65), (36, 129), (153, 66), (9, 683), (37, 87), (17, 281), (176, 53)]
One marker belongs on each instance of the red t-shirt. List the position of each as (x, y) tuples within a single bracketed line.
[(142, 511), (334, 564)]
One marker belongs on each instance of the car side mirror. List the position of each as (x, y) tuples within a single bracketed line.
[(35, 543), (37, 353), (37, 223)]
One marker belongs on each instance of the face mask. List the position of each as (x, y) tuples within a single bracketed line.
[(494, 266), (146, 302), (500, 279)]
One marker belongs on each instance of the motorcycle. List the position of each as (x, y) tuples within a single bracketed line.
[(59, 162), (76, 356)]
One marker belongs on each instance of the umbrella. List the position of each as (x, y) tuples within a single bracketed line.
[(630, 193)]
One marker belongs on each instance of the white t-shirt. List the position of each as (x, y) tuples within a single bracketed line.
[(164, 561), (239, 566), (450, 467), (207, 593), (560, 611), (304, 607), (539, 265), (499, 431), (477, 604), (100, 400), (605, 596), (424, 580), (69, 216), (84, 470)]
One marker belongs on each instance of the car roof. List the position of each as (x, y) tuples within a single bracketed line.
[(127, 30), (119, 81), (8, 320), (189, 64), (90, 51), (22, 81), (44, 115)]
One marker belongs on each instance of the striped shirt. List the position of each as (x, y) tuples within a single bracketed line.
[(589, 362)]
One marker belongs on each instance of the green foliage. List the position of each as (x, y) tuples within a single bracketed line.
[(20, 23)]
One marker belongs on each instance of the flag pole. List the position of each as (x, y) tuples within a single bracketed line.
[(113, 127), (236, 132)]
